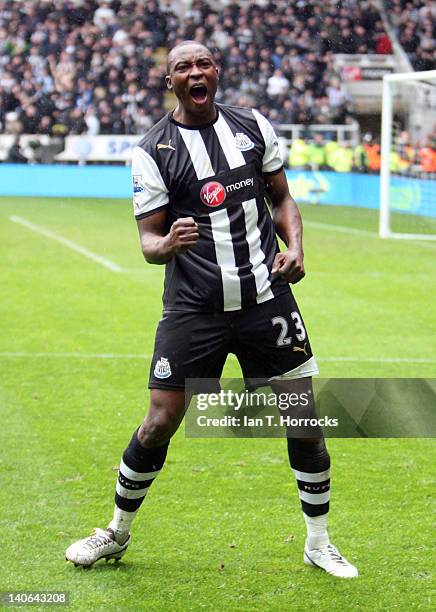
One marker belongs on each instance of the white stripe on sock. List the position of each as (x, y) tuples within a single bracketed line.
[(308, 477), (314, 498), (132, 475), (129, 494)]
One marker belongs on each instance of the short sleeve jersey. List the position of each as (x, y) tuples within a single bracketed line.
[(215, 174)]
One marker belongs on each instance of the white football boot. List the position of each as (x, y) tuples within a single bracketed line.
[(329, 559), (99, 545)]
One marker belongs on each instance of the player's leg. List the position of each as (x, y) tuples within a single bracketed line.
[(144, 457), (310, 462), (274, 345), (187, 345), (308, 457), (140, 464)]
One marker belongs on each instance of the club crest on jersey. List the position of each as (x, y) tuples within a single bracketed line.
[(162, 369), (212, 194), (243, 143), (138, 186)]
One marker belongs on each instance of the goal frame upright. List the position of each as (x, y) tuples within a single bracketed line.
[(386, 145)]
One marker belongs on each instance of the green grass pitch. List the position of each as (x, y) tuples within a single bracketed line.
[(221, 528)]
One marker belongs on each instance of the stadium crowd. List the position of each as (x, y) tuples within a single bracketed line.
[(415, 26), (90, 66), (319, 154)]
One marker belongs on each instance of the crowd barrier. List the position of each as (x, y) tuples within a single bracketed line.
[(360, 190), (106, 149)]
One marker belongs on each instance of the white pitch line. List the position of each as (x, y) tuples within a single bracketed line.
[(379, 359), (342, 229), (345, 359), (103, 261), (76, 355)]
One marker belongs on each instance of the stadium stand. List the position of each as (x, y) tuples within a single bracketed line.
[(414, 25), (96, 67)]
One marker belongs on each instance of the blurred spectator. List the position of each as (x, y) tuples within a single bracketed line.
[(338, 100), (30, 119), (372, 149), (342, 158), (299, 154), (330, 152), (406, 151), (15, 154), (104, 15), (383, 45), (278, 84), (427, 158), (360, 161), (45, 125), (13, 124), (92, 122), (76, 122), (316, 153)]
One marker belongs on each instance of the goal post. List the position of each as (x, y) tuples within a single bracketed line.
[(408, 157)]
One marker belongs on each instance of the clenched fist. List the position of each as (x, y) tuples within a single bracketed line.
[(290, 265), (183, 235)]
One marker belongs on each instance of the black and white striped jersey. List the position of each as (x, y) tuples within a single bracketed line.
[(213, 173)]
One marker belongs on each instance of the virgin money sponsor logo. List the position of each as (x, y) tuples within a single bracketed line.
[(240, 185), (212, 194)]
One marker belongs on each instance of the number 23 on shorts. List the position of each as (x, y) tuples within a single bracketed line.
[(283, 339)]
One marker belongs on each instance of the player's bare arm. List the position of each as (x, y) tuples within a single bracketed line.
[(289, 227), (158, 246)]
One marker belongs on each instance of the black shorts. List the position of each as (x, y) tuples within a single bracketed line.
[(268, 339)]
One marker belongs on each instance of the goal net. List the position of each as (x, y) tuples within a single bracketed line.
[(408, 156)]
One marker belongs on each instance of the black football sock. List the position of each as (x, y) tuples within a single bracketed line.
[(138, 468), (310, 462)]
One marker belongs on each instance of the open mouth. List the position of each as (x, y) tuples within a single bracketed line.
[(199, 93)]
